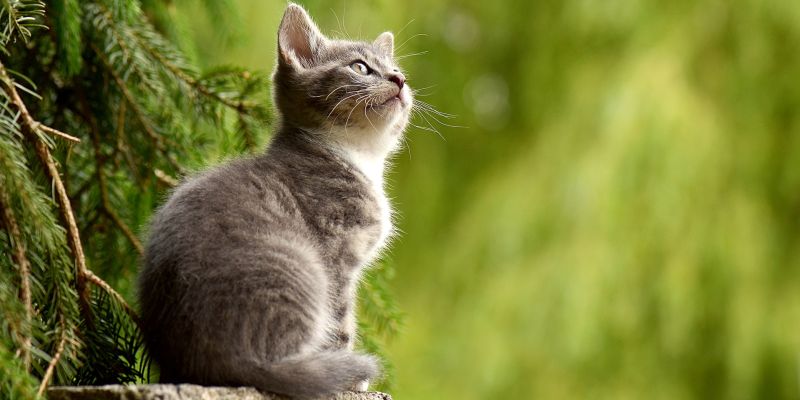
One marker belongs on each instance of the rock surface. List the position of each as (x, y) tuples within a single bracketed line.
[(181, 392)]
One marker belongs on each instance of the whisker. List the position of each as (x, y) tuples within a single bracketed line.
[(443, 123), (434, 129), (342, 25), (365, 113), (406, 41), (430, 107), (415, 90), (433, 113), (411, 55), (424, 128), (404, 27), (329, 94), (405, 140), (353, 109), (351, 95)]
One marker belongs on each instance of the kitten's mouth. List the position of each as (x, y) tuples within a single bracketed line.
[(396, 99)]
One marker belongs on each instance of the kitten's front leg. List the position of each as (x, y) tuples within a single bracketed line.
[(345, 328), (361, 386), (346, 336)]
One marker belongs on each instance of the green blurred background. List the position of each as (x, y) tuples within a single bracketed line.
[(618, 218)]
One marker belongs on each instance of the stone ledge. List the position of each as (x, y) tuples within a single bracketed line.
[(181, 392)]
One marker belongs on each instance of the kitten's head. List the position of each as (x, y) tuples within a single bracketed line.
[(352, 92)]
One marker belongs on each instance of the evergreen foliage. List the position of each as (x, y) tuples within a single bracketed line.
[(101, 115)]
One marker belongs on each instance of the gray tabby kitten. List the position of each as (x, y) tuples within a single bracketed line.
[(251, 268)]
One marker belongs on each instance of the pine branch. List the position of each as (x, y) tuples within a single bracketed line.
[(51, 367), (21, 16), (144, 37), (65, 20), (43, 153), (56, 132), (91, 277), (157, 139), (104, 21), (164, 178), (10, 222), (73, 235), (34, 125), (239, 106), (122, 146), (83, 275), (153, 44), (102, 180)]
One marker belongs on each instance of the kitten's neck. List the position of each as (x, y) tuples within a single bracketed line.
[(367, 154), (366, 148), (370, 164)]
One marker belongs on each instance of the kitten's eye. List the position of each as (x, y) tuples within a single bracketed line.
[(360, 68)]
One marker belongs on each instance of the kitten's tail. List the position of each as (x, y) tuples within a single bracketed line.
[(315, 375)]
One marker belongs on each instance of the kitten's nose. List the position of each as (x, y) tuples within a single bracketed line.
[(399, 79)]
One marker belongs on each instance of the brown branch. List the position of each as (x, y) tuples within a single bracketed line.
[(103, 182), (57, 132), (122, 146), (51, 367), (164, 178), (73, 235), (121, 300), (21, 260), (126, 230), (43, 152), (82, 273), (26, 116)]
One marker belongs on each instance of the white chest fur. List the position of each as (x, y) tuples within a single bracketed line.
[(372, 166)]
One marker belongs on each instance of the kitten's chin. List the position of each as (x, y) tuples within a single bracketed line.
[(395, 101), (394, 107)]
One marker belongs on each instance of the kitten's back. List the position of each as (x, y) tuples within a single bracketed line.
[(233, 291)]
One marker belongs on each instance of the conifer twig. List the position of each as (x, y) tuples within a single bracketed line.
[(158, 140), (73, 235), (26, 116), (239, 106), (103, 182), (91, 277), (10, 221), (56, 132), (43, 153), (126, 230), (83, 274), (164, 178), (122, 145), (56, 357)]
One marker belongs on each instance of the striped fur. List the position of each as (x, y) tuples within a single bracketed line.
[(251, 268)]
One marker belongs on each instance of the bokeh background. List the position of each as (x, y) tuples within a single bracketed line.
[(619, 215)]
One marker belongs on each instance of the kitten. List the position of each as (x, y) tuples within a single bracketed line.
[(251, 268)]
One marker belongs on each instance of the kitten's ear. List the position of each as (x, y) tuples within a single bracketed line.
[(299, 39), (385, 43)]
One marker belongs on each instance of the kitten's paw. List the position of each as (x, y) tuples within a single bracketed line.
[(361, 386)]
